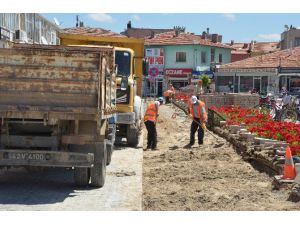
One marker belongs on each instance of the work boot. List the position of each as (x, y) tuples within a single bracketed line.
[(154, 149), (188, 145)]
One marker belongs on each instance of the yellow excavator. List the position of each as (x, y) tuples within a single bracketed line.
[(129, 55)]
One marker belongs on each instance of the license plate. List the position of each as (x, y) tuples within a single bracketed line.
[(24, 156)]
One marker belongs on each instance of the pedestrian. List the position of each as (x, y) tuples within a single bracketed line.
[(150, 119), (197, 112)]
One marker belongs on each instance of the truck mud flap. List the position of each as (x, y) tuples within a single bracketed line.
[(15, 157)]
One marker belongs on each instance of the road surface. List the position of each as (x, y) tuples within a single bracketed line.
[(53, 189)]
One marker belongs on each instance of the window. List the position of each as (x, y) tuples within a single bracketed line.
[(220, 58), (224, 83), (203, 57), (212, 55), (180, 56), (9, 20), (246, 83), (123, 60), (29, 25), (297, 42)]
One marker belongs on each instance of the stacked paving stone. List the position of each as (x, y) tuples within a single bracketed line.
[(243, 100)]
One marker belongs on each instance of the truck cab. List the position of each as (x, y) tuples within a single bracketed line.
[(129, 105)]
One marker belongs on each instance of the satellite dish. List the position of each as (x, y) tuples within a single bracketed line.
[(56, 21)]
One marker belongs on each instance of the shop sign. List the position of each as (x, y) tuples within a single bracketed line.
[(198, 74), (4, 34), (178, 72)]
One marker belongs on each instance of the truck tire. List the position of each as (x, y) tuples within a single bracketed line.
[(133, 132), (98, 171), (81, 176), (133, 136), (109, 149), (138, 107)]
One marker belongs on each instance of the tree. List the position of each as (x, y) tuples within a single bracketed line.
[(205, 81)]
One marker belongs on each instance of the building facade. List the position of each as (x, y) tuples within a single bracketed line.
[(266, 73), (27, 28), (183, 59), (290, 38)]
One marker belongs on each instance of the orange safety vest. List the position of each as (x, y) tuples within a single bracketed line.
[(151, 113), (201, 111)]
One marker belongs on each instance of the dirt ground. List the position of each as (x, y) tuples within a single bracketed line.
[(203, 178)]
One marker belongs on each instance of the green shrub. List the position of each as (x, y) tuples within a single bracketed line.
[(205, 80)]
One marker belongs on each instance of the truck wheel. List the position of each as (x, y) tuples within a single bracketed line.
[(81, 176), (110, 144), (109, 149), (98, 171), (138, 107), (132, 135)]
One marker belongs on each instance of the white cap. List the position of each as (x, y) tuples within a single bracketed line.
[(194, 99), (157, 103)]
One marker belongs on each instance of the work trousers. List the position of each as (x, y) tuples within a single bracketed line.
[(152, 135), (194, 127)]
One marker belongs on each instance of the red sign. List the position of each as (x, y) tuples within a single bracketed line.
[(178, 72), (156, 60), (153, 72)]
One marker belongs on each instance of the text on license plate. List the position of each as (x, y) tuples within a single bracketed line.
[(26, 156)]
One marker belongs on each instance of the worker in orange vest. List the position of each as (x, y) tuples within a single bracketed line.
[(198, 114), (150, 119), (170, 93)]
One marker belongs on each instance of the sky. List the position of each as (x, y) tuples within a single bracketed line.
[(240, 27)]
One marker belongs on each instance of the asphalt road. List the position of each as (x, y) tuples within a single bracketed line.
[(53, 189)]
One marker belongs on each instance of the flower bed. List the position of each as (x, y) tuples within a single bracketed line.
[(262, 125)]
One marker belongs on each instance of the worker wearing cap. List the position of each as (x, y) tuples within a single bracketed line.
[(161, 100), (198, 114), (150, 119)]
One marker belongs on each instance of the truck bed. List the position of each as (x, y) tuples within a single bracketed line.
[(62, 81)]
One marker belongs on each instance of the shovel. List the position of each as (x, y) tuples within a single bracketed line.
[(219, 142)]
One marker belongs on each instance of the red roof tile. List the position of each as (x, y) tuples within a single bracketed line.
[(92, 32), (285, 59), (266, 47), (170, 38), (143, 32), (258, 47)]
